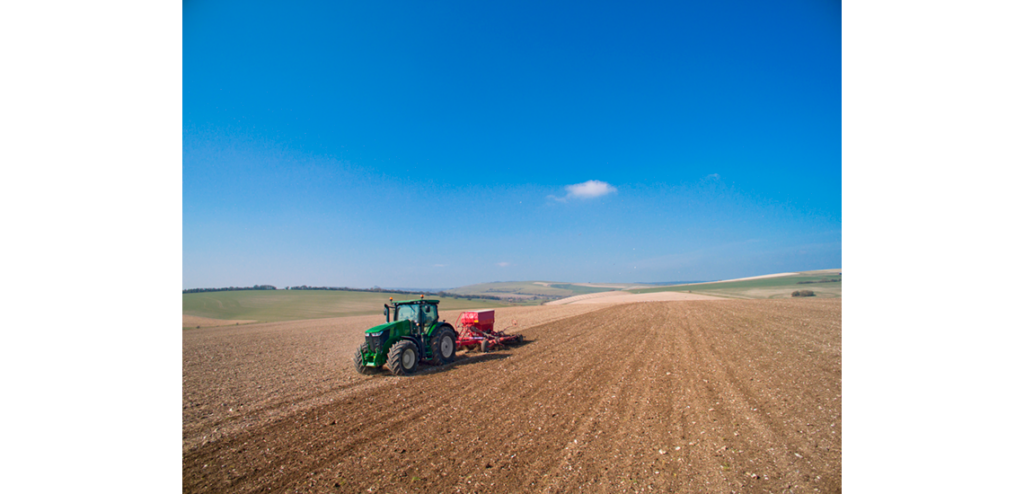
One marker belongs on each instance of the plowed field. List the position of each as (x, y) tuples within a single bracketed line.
[(692, 396)]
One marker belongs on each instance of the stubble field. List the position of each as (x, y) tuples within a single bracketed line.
[(686, 396)]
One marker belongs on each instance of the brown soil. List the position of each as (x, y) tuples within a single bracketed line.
[(736, 395)]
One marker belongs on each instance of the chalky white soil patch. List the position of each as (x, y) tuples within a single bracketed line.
[(619, 297)]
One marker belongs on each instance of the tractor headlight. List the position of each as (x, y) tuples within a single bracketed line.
[(376, 334)]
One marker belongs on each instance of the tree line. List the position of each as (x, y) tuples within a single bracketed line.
[(377, 289), (339, 288), (230, 289), (823, 280)]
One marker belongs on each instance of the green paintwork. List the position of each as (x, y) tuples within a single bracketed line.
[(382, 327), (399, 330)]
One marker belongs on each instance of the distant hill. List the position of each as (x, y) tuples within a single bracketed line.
[(664, 283), (540, 291), (826, 283)]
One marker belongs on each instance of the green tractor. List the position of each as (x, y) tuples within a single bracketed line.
[(411, 334)]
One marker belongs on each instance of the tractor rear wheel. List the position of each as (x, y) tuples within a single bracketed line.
[(442, 346), (403, 358), (358, 359)]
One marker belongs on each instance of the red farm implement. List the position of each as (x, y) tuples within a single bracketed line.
[(476, 329)]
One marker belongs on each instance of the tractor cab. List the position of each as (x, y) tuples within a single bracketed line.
[(420, 313), (411, 333)]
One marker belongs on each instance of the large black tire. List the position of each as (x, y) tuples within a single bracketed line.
[(403, 358), (442, 346), (358, 360)]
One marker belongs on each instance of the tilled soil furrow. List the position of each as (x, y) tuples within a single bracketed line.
[(527, 429), (762, 415), (298, 433), (698, 406), (227, 425), (603, 387), (659, 422), (682, 371), (730, 407), (619, 417)]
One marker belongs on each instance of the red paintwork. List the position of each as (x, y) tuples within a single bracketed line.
[(477, 328), (480, 319)]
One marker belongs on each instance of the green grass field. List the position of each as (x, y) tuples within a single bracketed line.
[(289, 305), (781, 287), (582, 290)]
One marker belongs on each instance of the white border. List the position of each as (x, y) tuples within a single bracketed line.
[(91, 191)]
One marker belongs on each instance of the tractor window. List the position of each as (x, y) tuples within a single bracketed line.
[(429, 314), (409, 312)]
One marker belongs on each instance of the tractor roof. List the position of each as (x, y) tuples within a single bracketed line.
[(416, 301)]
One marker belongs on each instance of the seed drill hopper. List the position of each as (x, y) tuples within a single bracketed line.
[(476, 330)]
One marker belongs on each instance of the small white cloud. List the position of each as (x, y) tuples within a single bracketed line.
[(713, 176), (586, 190), (590, 188), (503, 264)]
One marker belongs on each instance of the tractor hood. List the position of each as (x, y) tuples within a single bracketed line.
[(382, 327)]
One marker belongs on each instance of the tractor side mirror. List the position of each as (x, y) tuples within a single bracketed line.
[(387, 313)]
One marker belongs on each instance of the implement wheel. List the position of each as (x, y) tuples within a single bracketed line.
[(358, 360), (403, 358), (442, 346)]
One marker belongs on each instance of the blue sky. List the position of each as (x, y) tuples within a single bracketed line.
[(437, 144)]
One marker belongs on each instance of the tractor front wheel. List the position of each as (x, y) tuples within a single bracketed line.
[(442, 346), (358, 359), (403, 358)]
